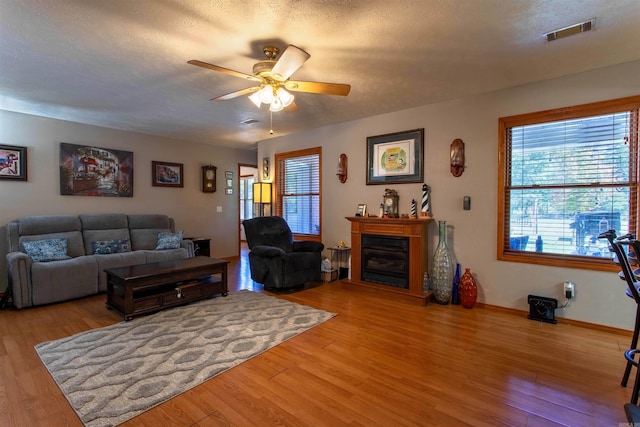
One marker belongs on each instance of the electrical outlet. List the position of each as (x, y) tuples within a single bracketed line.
[(569, 290)]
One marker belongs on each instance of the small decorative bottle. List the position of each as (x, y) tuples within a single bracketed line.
[(468, 289), (442, 270), (455, 294)]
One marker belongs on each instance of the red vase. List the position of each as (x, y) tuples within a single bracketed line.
[(468, 289)]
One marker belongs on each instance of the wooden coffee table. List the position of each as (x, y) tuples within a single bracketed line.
[(146, 288)]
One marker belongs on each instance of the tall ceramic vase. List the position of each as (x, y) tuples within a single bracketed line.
[(468, 289), (442, 270)]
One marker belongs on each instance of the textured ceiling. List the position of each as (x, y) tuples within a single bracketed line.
[(123, 64)]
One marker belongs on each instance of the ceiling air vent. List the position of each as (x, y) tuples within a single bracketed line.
[(571, 30), (249, 122)]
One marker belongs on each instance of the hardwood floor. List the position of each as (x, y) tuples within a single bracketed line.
[(377, 363)]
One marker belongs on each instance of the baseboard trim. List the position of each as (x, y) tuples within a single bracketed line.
[(561, 320)]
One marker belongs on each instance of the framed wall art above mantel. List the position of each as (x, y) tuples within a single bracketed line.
[(396, 158)]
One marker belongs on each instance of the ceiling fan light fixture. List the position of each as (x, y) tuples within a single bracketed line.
[(276, 105), (255, 98), (266, 94), (285, 97)]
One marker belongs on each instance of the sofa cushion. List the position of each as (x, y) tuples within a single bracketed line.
[(168, 240), (103, 221), (144, 230), (149, 221), (115, 246), (64, 280), (46, 250), (48, 224), (166, 255), (145, 238)]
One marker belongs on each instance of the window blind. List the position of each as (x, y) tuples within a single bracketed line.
[(568, 179), (298, 190)]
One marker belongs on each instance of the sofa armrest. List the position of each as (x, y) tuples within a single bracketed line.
[(268, 251), (307, 246), (188, 245), (19, 269)]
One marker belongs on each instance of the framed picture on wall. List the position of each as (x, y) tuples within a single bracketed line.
[(395, 158), (13, 162), (165, 174), (95, 171)]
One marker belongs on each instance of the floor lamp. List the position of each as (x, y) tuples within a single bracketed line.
[(262, 196)]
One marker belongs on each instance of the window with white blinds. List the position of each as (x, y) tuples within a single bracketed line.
[(568, 175), (298, 197)]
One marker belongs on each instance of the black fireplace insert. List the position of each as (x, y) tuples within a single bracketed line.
[(385, 260)]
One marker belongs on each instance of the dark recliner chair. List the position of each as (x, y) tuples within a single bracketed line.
[(276, 260)]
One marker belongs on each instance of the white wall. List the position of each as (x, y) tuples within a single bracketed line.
[(194, 212), (600, 296)]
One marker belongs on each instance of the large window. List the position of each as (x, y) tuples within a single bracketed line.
[(568, 175), (298, 183)]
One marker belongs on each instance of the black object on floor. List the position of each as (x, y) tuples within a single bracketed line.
[(542, 308)]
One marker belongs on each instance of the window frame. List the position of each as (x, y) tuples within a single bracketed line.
[(504, 252), (280, 157)]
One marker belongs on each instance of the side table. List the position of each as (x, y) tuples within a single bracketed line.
[(201, 245), (340, 259)]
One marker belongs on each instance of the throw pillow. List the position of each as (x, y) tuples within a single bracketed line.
[(46, 250), (169, 240), (116, 246)]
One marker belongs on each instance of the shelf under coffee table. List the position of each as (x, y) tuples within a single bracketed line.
[(145, 288)]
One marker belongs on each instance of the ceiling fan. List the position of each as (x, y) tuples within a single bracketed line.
[(272, 78)]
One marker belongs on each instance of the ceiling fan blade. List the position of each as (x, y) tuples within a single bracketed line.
[(318, 87), (235, 94), (223, 70), (292, 59)]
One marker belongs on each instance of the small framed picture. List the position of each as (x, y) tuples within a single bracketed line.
[(165, 174), (228, 175), (228, 191), (229, 182), (13, 162), (362, 210)]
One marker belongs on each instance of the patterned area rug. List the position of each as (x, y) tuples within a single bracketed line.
[(110, 375)]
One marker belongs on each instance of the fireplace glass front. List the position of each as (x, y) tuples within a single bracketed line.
[(385, 260)]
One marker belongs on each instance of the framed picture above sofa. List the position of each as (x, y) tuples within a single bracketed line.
[(165, 174), (95, 171)]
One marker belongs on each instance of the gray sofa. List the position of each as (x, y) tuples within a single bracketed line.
[(36, 283)]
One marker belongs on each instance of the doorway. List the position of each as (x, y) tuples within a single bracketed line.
[(248, 175)]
